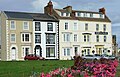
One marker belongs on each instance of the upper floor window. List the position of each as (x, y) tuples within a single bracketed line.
[(50, 38), (104, 27), (105, 38), (12, 25), (75, 37), (50, 27), (25, 37), (75, 26), (86, 26), (97, 27), (37, 26), (25, 25), (67, 37), (13, 39), (66, 26), (86, 38), (37, 38), (97, 38)]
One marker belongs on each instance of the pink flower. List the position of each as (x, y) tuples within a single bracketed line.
[(48, 75), (42, 75), (70, 75)]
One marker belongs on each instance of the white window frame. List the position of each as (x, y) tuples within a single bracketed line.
[(24, 38), (66, 52), (24, 25), (14, 25), (75, 26), (86, 26), (87, 38), (12, 37), (97, 27), (23, 50), (105, 39), (66, 37), (75, 37), (104, 27), (97, 38), (66, 25)]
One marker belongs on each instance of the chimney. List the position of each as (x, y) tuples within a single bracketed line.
[(49, 8), (68, 8), (102, 10)]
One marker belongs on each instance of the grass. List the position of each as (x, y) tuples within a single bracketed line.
[(26, 68)]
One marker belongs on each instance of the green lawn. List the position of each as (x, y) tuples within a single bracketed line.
[(26, 68)]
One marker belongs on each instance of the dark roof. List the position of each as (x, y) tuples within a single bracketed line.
[(72, 17), (17, 15), (29, 16), (42, 17)]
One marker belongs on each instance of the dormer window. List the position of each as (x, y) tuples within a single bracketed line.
[(91, 15), (62, 14), (101, 15), (65, 14), (78, 14), (85, 14)]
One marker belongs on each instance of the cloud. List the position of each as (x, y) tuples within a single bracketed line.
[(38, 5)]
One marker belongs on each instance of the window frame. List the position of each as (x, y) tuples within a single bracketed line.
[(86, 26), (104, 27), (12, 37), (66, 51), (97, 38), (38, 34), (66, 26), (66, 37), (23, 39), (11, 25), (105, 39), (75, 37), (97, 27), (48, 28), (48, 52), (25, 25), (37, 26), (48, 38)]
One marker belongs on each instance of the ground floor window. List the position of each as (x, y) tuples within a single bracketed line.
[(25, 50), (50, 51), (66, 51)]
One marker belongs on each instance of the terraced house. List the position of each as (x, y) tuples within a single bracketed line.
[(28, 33), (56, 34), (82, 32)]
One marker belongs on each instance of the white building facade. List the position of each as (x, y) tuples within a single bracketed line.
[(82, 32), (45, 36)]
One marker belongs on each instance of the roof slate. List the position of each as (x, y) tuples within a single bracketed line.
[(30, 16), (106, 19)]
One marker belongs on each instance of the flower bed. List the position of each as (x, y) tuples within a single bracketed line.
[(85, 68)]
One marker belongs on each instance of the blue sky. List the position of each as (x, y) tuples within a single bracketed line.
[(111, 6)]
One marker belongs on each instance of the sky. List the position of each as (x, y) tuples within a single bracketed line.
[(111, 6)]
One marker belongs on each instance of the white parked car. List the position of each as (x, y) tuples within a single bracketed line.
[(108, 56), (92, 57)]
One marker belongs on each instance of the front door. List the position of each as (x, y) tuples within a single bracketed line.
[(13, 53), (38, 52)]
